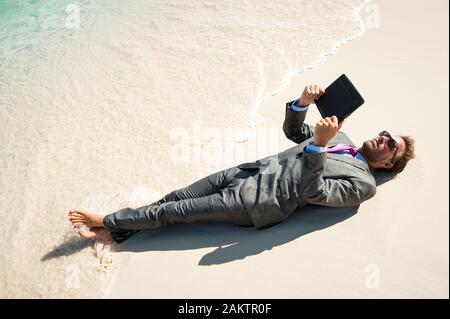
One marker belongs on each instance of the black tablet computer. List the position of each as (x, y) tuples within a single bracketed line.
[(340, 98)]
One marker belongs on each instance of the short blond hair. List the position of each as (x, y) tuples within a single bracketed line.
[(400, 160)]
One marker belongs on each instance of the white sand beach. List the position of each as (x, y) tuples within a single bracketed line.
[(395, 246), (112, 104)]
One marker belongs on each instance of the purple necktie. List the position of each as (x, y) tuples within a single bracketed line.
[(342, 147)]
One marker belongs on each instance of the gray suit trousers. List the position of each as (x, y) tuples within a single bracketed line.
[(212, 199)]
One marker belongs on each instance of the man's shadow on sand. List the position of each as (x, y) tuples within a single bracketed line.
[(232, 242)]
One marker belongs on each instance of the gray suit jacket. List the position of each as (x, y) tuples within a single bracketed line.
[(283, 182)]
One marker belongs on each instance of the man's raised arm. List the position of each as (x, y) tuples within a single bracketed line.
[(294, 127), (346, 191)]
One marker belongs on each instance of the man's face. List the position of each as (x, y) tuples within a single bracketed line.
[(379, 151)]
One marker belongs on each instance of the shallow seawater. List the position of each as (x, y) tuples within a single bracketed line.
[(105, 104)]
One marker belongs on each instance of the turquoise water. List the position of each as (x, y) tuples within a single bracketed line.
[(29, 28)]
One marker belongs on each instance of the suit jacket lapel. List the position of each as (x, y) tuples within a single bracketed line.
[(350, 160), (343, 138)]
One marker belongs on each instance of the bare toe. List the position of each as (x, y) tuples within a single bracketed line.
[(97, 233), (77, 215), (91, 219), (85, 233), (78, 224)]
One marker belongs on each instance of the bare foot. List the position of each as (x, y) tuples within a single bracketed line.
[(79, 217), (96, 233)]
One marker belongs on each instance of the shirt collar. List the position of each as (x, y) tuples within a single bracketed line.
[(361, 158)]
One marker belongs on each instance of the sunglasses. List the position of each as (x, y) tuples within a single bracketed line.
[(393, 145)]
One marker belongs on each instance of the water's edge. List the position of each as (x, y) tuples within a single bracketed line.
[(255, 118)]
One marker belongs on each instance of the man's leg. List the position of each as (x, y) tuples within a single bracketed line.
[(225, 206), (201, 188), (157, 215), (217, 206)]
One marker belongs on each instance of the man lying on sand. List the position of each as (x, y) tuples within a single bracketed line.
[(323, 169)]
